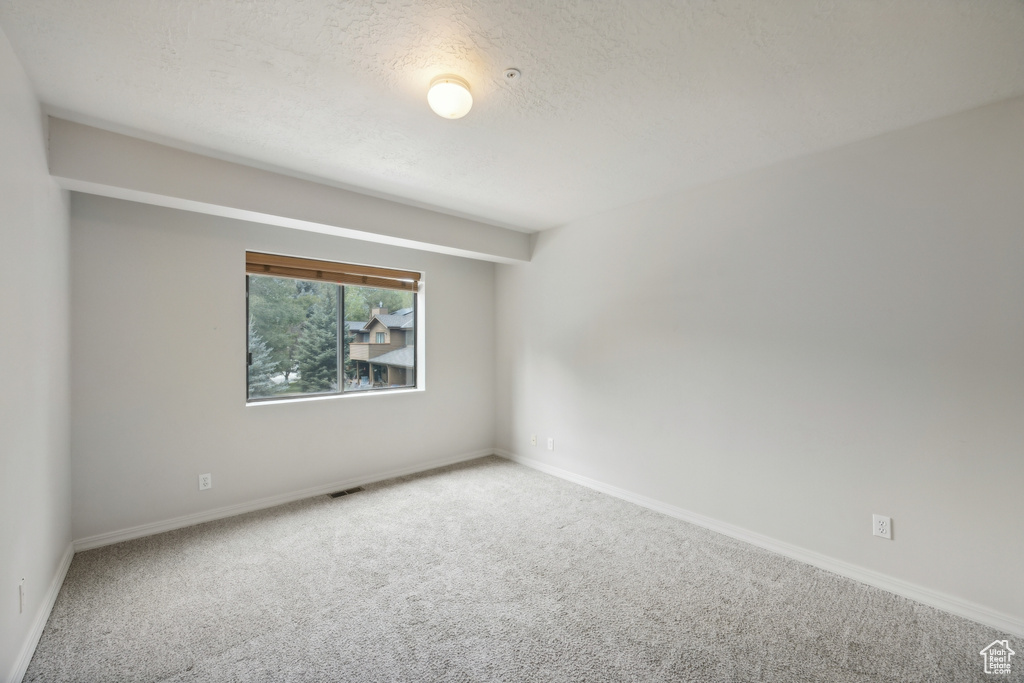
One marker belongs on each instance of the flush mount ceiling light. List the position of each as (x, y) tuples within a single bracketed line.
[(449, 97)]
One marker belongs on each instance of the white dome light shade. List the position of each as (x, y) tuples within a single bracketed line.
[(449, 97)]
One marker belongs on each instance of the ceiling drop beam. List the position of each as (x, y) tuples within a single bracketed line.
[(95, 161)]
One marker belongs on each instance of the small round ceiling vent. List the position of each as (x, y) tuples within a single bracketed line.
[(512, 74)]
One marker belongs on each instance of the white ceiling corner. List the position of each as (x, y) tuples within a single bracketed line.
[(618, 101)]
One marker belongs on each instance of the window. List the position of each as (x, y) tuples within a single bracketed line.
[(295, 310)]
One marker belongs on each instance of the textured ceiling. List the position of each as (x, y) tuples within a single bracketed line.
[(618, 101)]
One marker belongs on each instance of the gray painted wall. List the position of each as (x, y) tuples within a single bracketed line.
[(35, 524), (795, 349), (158, 373)]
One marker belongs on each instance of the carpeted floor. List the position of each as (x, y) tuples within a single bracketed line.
[(486, 571)]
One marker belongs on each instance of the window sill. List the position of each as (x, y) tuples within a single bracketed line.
[(329, 397)]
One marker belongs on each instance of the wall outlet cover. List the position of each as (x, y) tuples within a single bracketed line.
[(205, 482), (881, 526)]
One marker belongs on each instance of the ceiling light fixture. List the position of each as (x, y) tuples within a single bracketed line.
[(449, 97)]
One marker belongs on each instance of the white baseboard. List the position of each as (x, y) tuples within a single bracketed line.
[(39, 623), (969, 610), (152, 528)]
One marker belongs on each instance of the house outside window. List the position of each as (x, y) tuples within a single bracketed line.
[(294, 307)]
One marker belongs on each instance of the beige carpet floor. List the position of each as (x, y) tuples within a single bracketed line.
[(486, 571)]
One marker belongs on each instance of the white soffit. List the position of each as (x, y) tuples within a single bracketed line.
[(618, 101), (87, 159)]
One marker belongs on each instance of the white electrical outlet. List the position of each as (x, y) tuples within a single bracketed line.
[(533, 440), (21, 596), (551, 443), (881, 526), (205, 482)]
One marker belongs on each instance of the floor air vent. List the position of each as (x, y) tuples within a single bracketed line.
[(339, 494)]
